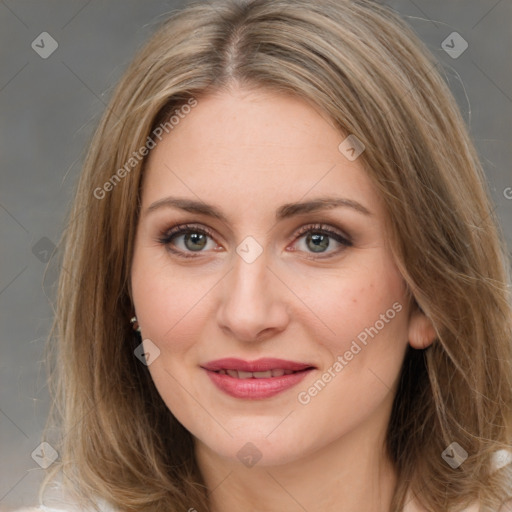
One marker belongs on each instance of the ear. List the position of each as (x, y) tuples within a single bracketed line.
[(421, 330)]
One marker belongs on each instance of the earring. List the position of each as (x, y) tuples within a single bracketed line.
[(135, 324)]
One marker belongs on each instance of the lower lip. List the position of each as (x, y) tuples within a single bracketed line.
[(254, 389)]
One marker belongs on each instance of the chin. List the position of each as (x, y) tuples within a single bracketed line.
[(253, 450), (268, 441)]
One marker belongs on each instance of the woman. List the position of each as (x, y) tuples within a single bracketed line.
[(285, 286)]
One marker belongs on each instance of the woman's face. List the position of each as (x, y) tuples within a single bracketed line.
[(274, 274)]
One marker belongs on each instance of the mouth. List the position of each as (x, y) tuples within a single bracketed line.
[(259, 379), (240, 374)]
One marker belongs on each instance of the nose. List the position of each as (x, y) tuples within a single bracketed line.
[(252, 306)]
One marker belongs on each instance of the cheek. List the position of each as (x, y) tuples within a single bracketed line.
[(367, 315), (168, 300), (362, 303)]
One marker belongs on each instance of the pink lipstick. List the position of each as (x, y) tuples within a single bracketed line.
[(258, 379)]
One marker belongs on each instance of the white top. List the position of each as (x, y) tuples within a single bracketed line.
[(411, 507), (55, 500), (408, 508)]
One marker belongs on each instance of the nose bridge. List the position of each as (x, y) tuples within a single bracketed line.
[(250, 301), (248, 283), (250, 266), (250, 262)]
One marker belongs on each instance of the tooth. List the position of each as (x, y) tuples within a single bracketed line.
[(222, 372), (277, 373), (232, 373), (263, 375), (244, 375), (287, 372)]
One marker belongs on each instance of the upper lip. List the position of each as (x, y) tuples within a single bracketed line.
[(260, 365)]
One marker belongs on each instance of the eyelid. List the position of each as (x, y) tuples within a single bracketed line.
[(339, 236), (320, 227), (343, 239), (179, 230)]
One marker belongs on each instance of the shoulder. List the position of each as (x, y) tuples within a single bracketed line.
[(70, 508), (66, 507), (55, 496), (39, 509), (42, 508), (63, 503), (28, 509)]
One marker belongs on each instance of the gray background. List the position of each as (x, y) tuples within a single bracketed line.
[(49, 108)]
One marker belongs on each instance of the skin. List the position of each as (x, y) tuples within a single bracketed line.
[(248, 152)]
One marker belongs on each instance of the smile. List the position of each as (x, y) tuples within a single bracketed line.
[(240, 374), (255, 380)]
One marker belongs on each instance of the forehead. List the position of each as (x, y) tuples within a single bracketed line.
[(247, 147)]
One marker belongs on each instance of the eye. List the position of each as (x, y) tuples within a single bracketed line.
[(195, 239), (317, 240)]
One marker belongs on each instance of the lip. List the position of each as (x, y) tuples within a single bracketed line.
[(256, 388), (260, 365)]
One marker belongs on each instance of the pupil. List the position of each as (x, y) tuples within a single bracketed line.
[(320, 241), (195, 238)]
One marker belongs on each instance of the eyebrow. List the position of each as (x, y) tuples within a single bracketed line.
[(283, 212)]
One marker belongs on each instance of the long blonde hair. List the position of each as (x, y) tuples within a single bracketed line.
[(358, 62)]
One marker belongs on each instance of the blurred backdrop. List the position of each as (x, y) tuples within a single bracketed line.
[(59, 60)]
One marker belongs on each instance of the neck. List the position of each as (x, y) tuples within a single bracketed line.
[(352, 474)]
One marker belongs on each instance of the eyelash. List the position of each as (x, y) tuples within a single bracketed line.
[(181, 229)]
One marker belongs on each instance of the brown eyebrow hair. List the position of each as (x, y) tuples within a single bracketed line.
[(285, 211)]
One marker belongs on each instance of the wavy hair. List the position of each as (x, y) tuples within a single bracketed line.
[(359, 63)]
